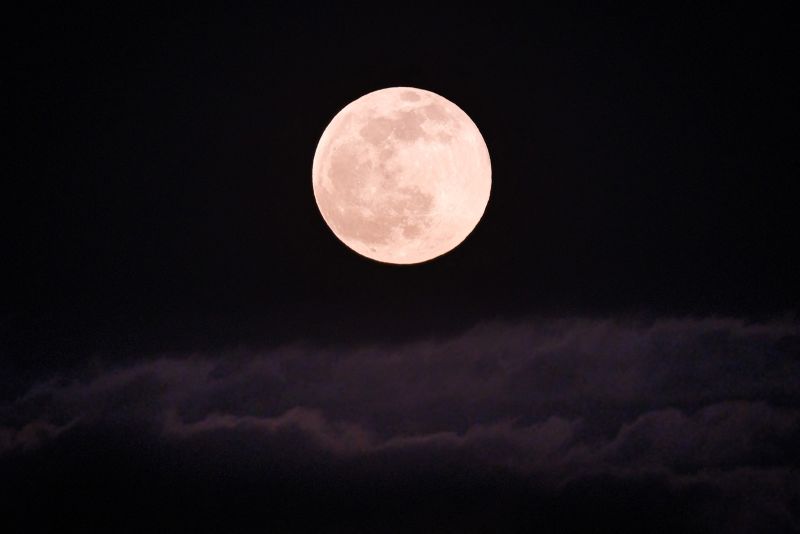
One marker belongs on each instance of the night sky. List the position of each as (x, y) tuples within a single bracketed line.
[(185, 345)]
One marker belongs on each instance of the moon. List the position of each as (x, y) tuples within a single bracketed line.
[(401, 175)]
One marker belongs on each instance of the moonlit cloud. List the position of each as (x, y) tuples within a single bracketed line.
[(563, 404)]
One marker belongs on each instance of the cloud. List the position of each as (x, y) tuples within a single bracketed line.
[(337, 437), (29, 436), (719, 435), (698, 405)]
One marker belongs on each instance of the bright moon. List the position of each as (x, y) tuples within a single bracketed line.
[(401, 175)]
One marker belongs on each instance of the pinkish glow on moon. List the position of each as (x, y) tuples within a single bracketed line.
[(401, 175)]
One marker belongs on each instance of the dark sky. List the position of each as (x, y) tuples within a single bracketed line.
[(615, 345)]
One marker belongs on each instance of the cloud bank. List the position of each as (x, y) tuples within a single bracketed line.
[(691, 423)]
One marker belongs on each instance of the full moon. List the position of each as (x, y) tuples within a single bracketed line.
[(401, 175)]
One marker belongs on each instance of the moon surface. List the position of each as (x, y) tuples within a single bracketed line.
[(401, 175)]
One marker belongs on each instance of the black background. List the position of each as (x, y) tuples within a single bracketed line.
[(159, 192), (640, 163)]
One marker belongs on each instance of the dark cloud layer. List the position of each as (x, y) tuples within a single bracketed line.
[(547, 425)]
